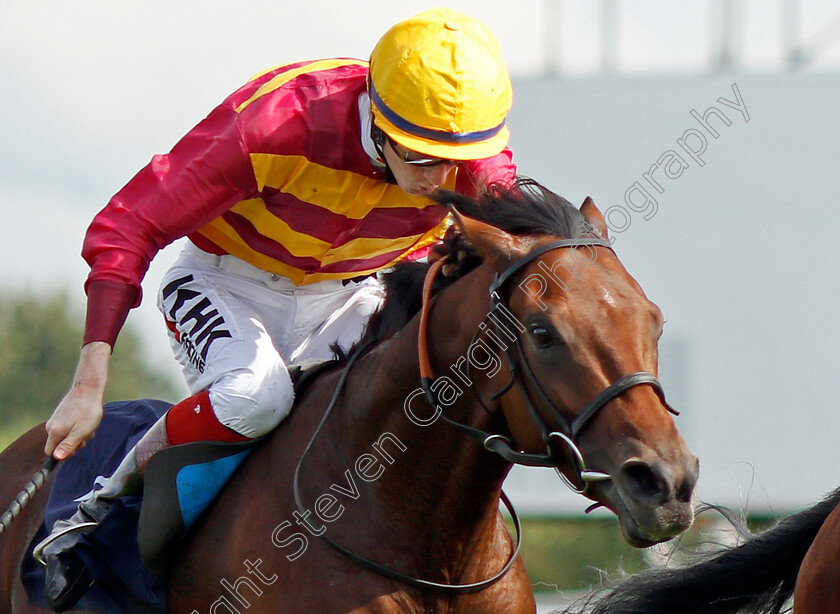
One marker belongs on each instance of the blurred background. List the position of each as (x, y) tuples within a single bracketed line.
[(706, 129)]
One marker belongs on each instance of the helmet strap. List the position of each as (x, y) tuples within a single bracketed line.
[(379, 138)]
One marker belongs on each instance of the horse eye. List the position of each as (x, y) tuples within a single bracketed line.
[(542, 336)]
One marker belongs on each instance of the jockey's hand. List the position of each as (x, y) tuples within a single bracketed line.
[(454, 245), (447, 247), (75, 419), (437, 251)]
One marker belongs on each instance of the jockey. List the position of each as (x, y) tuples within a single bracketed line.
[(292, 193)]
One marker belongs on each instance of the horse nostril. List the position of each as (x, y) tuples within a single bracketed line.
[(685, 490), (643, 482), (683, 494)]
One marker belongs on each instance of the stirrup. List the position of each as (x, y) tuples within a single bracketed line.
[(38, 552)]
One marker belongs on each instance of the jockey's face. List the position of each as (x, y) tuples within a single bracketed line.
[(415, 173)]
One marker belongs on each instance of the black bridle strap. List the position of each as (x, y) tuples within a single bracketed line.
[(524, 374), (498, 444), (616, 388), (536, 253), (495, 443)]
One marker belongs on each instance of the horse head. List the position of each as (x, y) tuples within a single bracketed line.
[(581, 343)]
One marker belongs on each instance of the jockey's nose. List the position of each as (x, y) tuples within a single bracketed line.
[(438, 173)]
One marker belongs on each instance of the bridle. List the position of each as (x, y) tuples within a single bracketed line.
[(521, 374)]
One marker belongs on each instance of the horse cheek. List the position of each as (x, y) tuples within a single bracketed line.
[(525, 433)]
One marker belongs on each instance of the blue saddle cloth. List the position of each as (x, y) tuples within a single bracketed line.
[(180, 483)]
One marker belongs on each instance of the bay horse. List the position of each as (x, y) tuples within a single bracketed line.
[(799, 558), (380, 492)]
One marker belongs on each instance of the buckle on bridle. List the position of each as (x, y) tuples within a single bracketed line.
[(490, 438)]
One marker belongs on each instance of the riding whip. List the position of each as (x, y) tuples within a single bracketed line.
[(27, 493)]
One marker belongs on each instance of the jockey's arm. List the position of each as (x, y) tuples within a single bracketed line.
[(75, 419), (204, 175)]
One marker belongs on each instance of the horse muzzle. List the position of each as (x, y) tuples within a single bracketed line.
[(651, 498)]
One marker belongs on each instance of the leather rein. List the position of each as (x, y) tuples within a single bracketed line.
[(521, 374)]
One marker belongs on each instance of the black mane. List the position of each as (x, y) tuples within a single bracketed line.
[(526, 208)]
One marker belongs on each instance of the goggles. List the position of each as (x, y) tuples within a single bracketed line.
[(417, 159)]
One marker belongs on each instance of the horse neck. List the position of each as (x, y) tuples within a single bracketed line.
[(434, 475)]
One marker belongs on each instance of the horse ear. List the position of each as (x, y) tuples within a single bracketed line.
[(594, 216), (494, 245)]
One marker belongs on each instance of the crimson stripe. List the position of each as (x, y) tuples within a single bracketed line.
[(205, 244), (269, 247), (396, 223), (336, 229), (304, 217), (330, 98), (273, 249), (276, 250), (350, 266), (248, 89)]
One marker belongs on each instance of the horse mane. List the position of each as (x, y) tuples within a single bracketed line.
[(523, 208)]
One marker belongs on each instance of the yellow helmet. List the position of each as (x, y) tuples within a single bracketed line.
[(439, 86)]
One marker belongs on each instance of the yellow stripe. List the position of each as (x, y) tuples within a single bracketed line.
[(265, 72), (435, 234), (316, 277), (427, 239), (269, 225), (304, 245), (223, 235), (362, 248), (283, 78), (341, 192)]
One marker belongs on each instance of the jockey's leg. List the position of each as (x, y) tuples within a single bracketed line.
[(193, 419)]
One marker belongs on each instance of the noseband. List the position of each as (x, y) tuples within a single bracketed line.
[(555, 440)]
